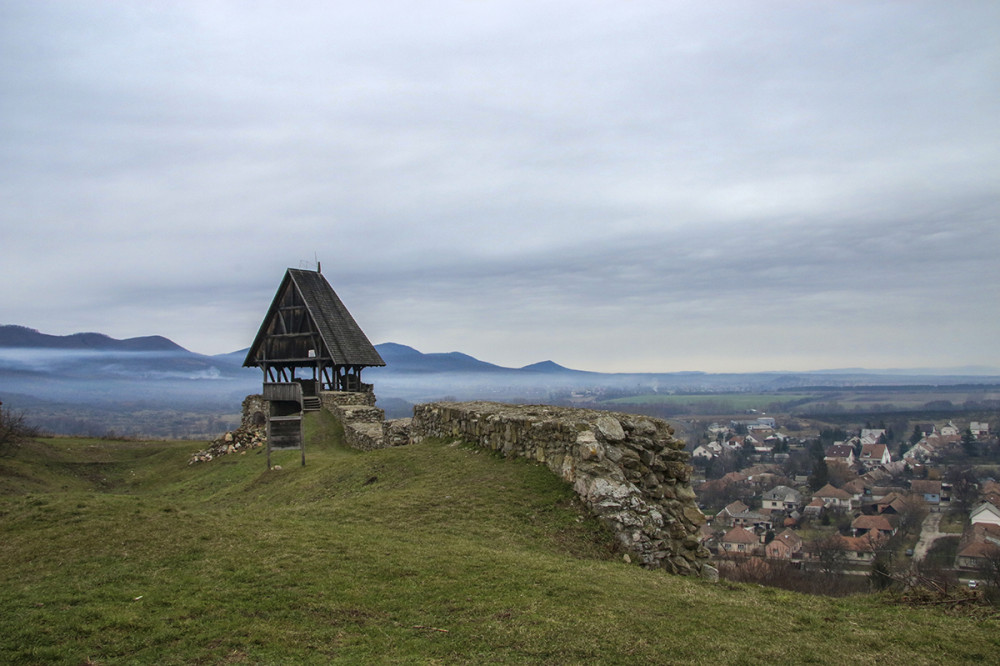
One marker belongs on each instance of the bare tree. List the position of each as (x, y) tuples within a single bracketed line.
[(989, 573), (14, 429), (964, 487), (831, 553), (912, 514)]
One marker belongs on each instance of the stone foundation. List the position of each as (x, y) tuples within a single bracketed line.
[(364, 423), (629, 470), (333, 399)]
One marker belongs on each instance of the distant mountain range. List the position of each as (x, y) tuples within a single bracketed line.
[(402, 359), (28, 338), (68, 382), (159, 354), (87, 367)]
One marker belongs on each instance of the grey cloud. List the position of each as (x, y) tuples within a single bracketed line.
[(556, 168)]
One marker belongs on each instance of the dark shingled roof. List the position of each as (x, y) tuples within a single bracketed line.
[(343, 339)]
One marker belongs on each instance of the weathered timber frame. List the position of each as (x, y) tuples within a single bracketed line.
[(284, 421), (308, 340), (309, 337)]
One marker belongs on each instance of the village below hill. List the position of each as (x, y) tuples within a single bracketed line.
[(838, 510)]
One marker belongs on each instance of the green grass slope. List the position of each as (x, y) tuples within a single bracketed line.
[(121, 553)]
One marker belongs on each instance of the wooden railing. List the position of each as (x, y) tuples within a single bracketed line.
[(285, 392)]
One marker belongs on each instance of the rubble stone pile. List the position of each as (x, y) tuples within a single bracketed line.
[(251, 434)]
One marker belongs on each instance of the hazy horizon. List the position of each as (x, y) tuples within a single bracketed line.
[(32, 356)]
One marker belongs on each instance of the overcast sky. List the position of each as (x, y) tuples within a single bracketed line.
[(615, 186)]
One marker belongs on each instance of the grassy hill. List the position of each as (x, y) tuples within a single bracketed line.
[(119, 553)]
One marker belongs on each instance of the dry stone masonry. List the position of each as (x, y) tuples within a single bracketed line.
[(629, 470), (364, 423), (251, 434)]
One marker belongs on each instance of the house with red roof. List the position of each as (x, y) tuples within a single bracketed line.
[(834, 498), (842, 453), (862, 548), (930, 490), (726, 517), (879, 524), (785, 546), (873, 455), (740, 541), (979, 545)]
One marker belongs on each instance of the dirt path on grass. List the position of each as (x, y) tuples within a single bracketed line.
[(928, 533)]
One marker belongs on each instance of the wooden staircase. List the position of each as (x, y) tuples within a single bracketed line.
[(311, 403)]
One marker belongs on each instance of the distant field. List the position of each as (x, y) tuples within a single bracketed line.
[(725, 402), (822, 400)]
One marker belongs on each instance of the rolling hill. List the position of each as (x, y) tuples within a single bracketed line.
[(121, 553)]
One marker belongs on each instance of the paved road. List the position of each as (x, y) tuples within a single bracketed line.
[(928, 533)]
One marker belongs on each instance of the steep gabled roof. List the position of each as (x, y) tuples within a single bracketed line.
[(343, 340), (985, 508), (873, 451)]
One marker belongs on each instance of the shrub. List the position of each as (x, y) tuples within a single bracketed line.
[(14, 429)]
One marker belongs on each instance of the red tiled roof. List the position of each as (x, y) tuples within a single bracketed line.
[(740, 535), (789, 538), (735, 507), (874, 451), (831, 492), (879, 522), (862, 544), (926, 487)]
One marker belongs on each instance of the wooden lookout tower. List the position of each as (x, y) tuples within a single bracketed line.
[(307, 343)]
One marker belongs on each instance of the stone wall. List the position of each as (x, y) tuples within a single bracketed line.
[(629, 470), (254, 410), (364, 423), (335, 398)]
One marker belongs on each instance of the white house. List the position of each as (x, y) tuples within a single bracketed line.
[(871, 435), (715, 429), (833, 497), (985, 513), (979, 429), (874, 454), (840, 453), (921, 451), (782, 498), (702, 452), (739, 540)]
